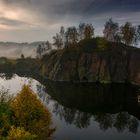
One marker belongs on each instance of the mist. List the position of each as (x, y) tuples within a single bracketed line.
[(15, 50)]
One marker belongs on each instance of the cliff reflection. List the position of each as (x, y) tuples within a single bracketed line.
[(121, 121), (111, 106)]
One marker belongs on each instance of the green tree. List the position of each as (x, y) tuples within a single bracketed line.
[(5, 113)]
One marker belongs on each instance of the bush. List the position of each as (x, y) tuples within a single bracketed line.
[(101, 43)]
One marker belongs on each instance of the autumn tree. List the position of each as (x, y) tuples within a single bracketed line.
[(18, 133), (71, 35), (111, 30), (128, 33), (88, 31), (31, 114)]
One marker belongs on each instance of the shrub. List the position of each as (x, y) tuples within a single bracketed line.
[(101, 43)]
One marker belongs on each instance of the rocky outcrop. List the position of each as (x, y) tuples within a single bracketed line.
[(117, 63)]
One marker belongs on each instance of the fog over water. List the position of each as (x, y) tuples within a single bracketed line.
[(14, 50)]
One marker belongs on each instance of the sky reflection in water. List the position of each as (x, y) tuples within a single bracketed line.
[(77, 115)]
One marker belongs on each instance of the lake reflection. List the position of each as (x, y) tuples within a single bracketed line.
[(85, 111)]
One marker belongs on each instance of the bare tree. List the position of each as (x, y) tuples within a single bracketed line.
[(111, 30), (81, 30), (39, 51), (48, 45), (62, 35), (137, 35), (43, 48), (57, 41)]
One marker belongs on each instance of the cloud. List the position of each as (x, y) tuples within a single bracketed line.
[(47, 15), (75, 7), (13, 23), (51, 11)]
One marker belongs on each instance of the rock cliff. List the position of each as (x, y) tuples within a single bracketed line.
[(91, 61)]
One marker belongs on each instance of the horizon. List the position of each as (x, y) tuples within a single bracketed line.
[(35, 20)]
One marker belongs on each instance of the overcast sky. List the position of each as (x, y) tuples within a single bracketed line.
[(39, 20)]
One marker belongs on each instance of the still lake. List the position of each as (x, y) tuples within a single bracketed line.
[(85, 111)]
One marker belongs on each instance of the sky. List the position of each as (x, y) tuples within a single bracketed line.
[(39, 20)]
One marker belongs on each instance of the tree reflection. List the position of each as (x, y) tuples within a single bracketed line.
[(105, 120), (80, 104), (82, 119), (120, 121), (42, 94), (107, 105), (69, 115), (133, 125), (72, 116), (7, 76)]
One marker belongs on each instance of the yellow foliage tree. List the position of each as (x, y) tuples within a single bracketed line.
[(19, 134), (31, 114)]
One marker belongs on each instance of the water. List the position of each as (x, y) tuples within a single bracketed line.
[(85, 111)]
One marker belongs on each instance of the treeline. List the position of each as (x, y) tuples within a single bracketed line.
[(113, 32), (127, 33)]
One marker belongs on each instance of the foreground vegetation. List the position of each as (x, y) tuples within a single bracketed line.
[(24, 117)]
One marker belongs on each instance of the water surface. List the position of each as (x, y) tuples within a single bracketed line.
[(85, 111)]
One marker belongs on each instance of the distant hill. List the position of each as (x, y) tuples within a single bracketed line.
[(14, 50)]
